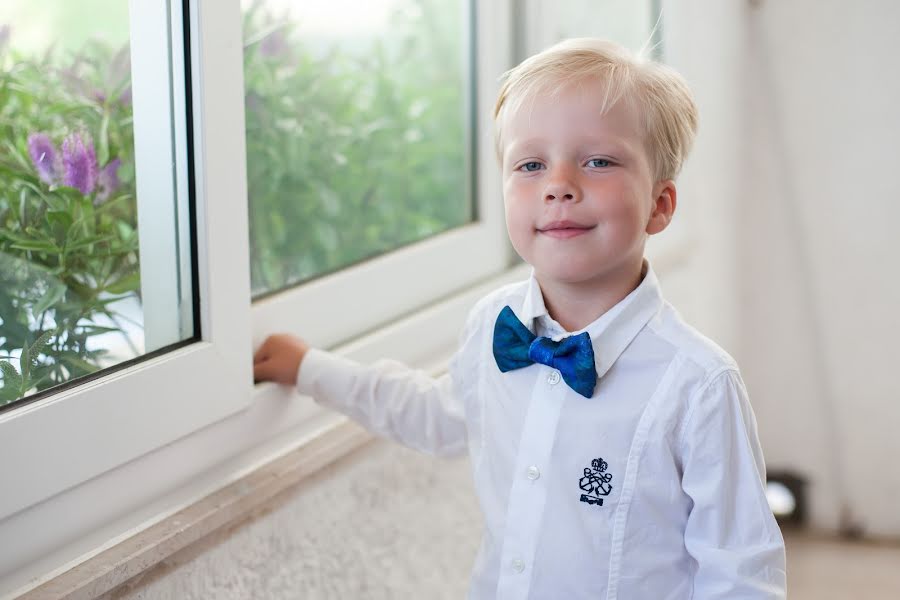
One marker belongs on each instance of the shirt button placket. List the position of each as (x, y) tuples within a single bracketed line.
[(518, 565), (528, 495)]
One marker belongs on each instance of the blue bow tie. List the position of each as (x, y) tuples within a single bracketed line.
[(516, 347)]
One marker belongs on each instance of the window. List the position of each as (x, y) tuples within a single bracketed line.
[(72, 300), (106, 448), (80, 432), (357, 131), (362, 153)]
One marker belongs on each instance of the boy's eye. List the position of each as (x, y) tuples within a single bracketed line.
[(599, 162), (531, 166)]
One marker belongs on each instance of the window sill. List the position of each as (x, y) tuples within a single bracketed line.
[(235, 502)]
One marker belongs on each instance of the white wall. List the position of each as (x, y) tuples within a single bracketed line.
[(784, 252), (704, 41), (819, 285)]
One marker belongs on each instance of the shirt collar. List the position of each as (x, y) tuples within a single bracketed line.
[(614, 330)]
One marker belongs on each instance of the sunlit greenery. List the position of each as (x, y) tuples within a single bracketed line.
[(354, 148)]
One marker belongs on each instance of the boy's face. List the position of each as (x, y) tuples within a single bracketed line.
[(578, 187)]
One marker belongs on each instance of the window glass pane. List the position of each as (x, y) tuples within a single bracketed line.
[(71, 295), (357, 130)]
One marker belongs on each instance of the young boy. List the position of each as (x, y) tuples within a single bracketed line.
[(613, 447)]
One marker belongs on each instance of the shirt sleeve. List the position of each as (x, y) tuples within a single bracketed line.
[(389, 399), (730, 531)]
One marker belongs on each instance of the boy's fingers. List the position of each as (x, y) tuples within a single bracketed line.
[(259, 369), (264, 351), (277, 359), (262, 371), (261, 354)]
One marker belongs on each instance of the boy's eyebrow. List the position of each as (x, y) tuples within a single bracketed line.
[(617, 147)]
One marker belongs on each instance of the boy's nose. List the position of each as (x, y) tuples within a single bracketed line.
[(559, 195), (561, 186)]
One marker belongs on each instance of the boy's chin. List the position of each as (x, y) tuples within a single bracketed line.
[(567, 275), (579, 275)]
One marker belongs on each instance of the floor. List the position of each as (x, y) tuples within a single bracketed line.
[(374, 525), (822, 568)]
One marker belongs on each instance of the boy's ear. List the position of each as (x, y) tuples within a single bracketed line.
[(664, 201)]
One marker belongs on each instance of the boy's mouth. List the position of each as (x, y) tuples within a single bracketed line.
[(564, 229)]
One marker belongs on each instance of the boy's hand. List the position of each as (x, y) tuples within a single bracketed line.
[(279, 358)]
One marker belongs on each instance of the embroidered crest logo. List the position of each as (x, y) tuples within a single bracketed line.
[(596, 482)]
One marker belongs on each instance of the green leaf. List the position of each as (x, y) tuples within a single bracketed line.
[(77, 365), (84, 243), (8, 394), (31, 353), (39, 245), (123, 285), (41, 343), (60, 222), (59, 217), (98, 330), (11, 378), (103, 141), (53, 295), (126, 232), (25, 361)]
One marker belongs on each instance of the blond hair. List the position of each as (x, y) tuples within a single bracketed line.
[(660, 95)]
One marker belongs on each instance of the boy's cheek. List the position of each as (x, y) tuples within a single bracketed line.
[(521, 239), (516, 187)]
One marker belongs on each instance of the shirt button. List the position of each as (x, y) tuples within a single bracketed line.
[(553, 378), (533, 473), (518, 565)]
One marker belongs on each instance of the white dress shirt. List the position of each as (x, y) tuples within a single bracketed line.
[(652, 489)]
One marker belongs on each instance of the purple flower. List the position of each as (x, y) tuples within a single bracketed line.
[(44, 157), (80, 163), (107, 181)]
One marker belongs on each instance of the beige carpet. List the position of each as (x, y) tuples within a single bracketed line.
[(388, 523)]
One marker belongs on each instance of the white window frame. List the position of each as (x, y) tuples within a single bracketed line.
[(74, 436), (90, 464)]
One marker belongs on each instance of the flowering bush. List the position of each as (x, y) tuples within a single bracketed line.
[(68, 241)]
